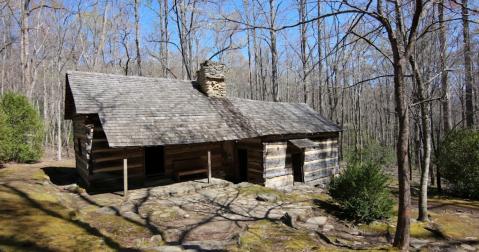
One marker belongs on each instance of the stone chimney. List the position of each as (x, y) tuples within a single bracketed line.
[(211, 78)]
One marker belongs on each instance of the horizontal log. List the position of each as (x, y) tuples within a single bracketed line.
[(102, 157), (179, 174), (250, 140), (320, 181), (83, 175), (256, 166), (277, 172), (100, 145), (312, 151), (312, 156), (172, 149), (255, 178), (117, 168), (79, 134), (248, 145), (277, 162), (81, 159), (279, 151), (321, 146), (117, 162), (81, 165), (255, 154), (134, 171), (321, 164), (320, 174), (116, 181), (191, 154), (109, 149)]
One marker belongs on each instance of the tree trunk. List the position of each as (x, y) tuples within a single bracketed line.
[(274, 53), (401, 239), (137, 38), (446, 104), (320, 62), (304, 60), (25, 47), (101, 43), (467, 65), (426, 140), (166, 39)]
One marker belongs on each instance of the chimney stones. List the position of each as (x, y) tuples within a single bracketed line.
[(211, 78)]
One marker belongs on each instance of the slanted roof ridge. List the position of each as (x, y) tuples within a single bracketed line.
[(72, 72)]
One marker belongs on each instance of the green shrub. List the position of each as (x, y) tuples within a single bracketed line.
[(22, 130), (458, 161), (362, 192)]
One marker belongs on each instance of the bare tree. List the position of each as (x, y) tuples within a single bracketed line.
[(137, 37), (467, 65)]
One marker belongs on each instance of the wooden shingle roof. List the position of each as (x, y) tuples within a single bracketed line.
[(140, 111)]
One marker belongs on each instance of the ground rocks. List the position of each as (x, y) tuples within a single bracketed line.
[(315, 222), (108, 210), (270, 197)]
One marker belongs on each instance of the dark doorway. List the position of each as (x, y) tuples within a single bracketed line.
[(297, 167), (154, 160), (243, 165)]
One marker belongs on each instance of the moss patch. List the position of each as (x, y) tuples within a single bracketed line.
[(266, 235), (31, 221)]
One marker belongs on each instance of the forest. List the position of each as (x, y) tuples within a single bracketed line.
[(396, 75)]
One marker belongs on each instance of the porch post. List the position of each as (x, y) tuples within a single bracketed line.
[(125, 177), (209, 166)]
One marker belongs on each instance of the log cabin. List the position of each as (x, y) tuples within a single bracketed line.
[(167, 128)]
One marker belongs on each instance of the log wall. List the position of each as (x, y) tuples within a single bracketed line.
[(321, 163), (195, 156), (254, 149), (278, 171), (97, 163)]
